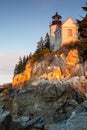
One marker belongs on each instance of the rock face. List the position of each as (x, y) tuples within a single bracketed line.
[(25, 123), (72, 58), (5, 118), (54, 102), (22, 123), (23, 77), (44, 105), (75, 122), (52, 66), (55, 96), (56, 74), (79, 84)]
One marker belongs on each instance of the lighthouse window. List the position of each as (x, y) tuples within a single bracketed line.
[(69, 32)]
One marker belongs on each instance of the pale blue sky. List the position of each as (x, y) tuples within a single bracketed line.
[(23, 22)]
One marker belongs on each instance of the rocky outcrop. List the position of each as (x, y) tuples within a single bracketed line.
[(26, 123), (72, 58), (47, 105), (79, 84), (52, 66), (5, 118), (22, 123), (56, 74), (55, 96), (75, 122), (23, 77), (53, 102)]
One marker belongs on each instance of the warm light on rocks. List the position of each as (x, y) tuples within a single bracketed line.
[(51, 67), (72, 57), (56, 74), (23, 77)]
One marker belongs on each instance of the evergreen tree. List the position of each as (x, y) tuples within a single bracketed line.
[(30, 56), (24, 62), (83, 25), (47, 41), (15, 70), (20, 66), (39, 45), (42, 42)]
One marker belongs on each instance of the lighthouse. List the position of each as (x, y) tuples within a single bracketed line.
[(56, 22)]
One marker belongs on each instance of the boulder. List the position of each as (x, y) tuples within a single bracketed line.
[(26, 123), (2, 106), (79, 84), (75, 122), (5, 120), (76, 70)]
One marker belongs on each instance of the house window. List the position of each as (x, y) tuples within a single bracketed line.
[(70, 32)]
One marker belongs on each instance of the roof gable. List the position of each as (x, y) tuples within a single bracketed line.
[(70, 22)]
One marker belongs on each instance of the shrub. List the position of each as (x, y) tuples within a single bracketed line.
[(39, 54), (81, 46)]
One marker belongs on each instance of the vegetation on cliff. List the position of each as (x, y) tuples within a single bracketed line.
[(83, 25), (80, 45), (43, 47), (20, 66)]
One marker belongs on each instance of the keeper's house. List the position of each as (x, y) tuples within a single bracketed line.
[(62, 33)]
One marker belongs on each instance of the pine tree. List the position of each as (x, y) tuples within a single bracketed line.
[(30, 56), (24, 62), (40, 45), (83, 35), (83, 25), (20, 66), (47, 41), (16, 70)]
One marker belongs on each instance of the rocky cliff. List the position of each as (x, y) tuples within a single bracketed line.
[(51, 94), (44, 105), (53, 66)]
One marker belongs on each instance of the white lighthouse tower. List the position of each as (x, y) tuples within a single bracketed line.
[(56, 22)]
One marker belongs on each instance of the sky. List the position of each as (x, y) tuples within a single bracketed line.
[(23, 22)]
